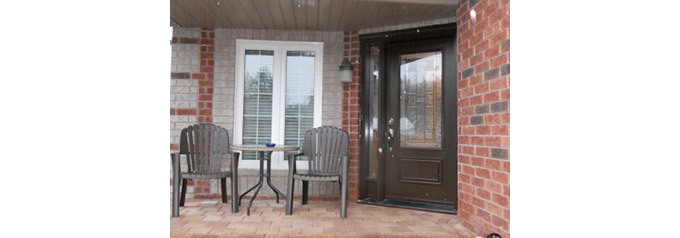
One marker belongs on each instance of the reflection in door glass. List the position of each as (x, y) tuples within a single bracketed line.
[(420, 100), (374, 107)]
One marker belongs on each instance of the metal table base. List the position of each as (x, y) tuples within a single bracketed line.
[(265, 155)]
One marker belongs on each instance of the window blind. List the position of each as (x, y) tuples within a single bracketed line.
[(299, 96), (257, 99)]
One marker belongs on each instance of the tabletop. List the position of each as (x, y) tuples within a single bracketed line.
[(264, 148)]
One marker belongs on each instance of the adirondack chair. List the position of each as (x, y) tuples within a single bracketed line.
[(328, 151), (204, 146)]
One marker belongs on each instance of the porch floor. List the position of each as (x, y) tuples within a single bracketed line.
[(209, 218)]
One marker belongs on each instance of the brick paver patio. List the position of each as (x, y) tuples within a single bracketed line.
[(208, 218)]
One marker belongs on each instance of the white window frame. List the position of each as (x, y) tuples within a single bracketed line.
[(280, 49)]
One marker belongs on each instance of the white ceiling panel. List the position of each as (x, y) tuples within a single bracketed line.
[(307, 14)]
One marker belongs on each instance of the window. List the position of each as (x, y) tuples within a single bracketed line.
[(277, 95), (421, 79)]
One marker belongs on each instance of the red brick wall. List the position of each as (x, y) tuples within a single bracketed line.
[(205, 77), (350, 111), (484, 116), (205, 96)]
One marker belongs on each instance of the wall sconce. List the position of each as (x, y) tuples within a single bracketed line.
[(346, 72)]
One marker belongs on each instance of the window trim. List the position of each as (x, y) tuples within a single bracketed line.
[(279, 90)]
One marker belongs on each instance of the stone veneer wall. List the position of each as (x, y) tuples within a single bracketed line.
[(202, 90)]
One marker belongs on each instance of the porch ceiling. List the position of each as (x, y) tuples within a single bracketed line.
[(307, 14)]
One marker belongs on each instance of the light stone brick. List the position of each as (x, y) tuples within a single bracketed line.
[(184, 68), (219, 112), (220, 80), (186, 82), (221, 70), (180, 89), (184, 97), (178, 104)]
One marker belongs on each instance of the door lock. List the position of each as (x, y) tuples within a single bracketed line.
[(390, 133)]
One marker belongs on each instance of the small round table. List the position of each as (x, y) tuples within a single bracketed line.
[(265, 154)]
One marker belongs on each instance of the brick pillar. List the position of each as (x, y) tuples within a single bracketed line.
[(484, 116), (205, 77), (351, 110), (205, 98)]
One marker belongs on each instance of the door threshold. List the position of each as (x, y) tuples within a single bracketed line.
[(422, 206)]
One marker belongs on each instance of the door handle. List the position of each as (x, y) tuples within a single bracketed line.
[(390, 133), (389, 143)]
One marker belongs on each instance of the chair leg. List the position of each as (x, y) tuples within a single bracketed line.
[(225, 198), (343, 188), (175, 184), (289, 196), (305, 191), (175, 200), (234, 183), (183, 192), (291, 183), (343, 198)]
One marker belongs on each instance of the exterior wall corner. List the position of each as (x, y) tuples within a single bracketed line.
[(484, 116)]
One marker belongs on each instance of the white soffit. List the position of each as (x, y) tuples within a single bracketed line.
[(331, 15)]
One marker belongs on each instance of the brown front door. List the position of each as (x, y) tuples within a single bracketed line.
[(420, 124)]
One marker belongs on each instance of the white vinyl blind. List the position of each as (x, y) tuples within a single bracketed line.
[(299, 95), (257, 99)]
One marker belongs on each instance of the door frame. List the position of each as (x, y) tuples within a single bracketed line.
[(372, 190)]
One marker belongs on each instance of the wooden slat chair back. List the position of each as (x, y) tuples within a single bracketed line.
[(205, 146), (324, 147)]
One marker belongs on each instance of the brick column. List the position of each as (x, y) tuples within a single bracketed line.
[(484, 116), (205, 97), (205, 77), (351, 110)]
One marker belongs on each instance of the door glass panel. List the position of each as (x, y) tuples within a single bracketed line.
[(420, 100), (299, 96), (257, 99), (373, 76)]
